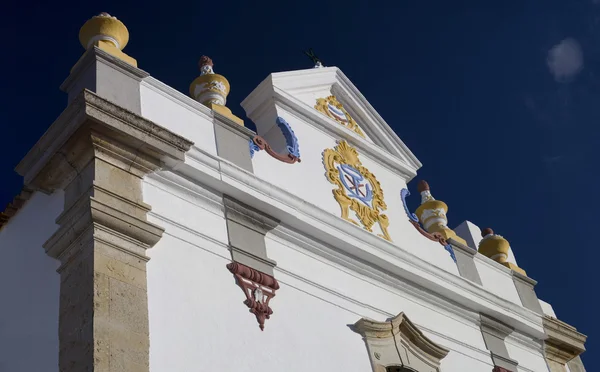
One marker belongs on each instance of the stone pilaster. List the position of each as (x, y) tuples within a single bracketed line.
[(232, 141), (247, 228), (98, 153), (563, 344), (465, 261), (526, 289), (494, 333)]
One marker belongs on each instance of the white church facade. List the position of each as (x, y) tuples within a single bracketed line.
[(155, 232)]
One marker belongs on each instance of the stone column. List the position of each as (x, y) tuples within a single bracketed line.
[(98, 154)]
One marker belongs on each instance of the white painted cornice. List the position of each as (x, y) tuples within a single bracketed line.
[(379, 254)]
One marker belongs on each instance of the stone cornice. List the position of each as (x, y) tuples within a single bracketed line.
[(143, 137), (564, 342)]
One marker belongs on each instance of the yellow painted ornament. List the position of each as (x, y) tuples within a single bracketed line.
[(496, 247), (336, 111), (107, 33), (357, 188)]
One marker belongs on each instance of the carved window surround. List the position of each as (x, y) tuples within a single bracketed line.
[(398, 345)]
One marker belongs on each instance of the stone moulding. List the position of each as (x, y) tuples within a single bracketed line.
[(397, 342), (258, 143), (563, 343), (414, 220), (259, 288)]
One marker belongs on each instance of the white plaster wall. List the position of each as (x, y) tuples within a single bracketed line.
[(528, 357), (306, 179), (30, 288), (547, 309), (178, 118), (496, 280), (198, 320)]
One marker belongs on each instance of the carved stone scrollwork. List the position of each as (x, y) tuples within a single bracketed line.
[(293, 149), (259, 288)]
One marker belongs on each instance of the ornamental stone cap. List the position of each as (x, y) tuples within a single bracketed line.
[(423, 186), (106, 28), (107, 33)]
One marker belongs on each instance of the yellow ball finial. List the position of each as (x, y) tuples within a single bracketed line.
[(107, 33), (496, 247), (104, 28)]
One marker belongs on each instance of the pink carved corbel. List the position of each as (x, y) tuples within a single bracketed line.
[(264, 145), (259, 288)]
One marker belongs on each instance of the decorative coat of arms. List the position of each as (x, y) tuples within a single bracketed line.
[(357, 188), (334, 109)]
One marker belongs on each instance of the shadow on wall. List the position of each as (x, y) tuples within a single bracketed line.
[(30, 288)]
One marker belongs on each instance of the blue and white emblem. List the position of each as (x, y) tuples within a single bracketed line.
[(357, 187), (337, 114)]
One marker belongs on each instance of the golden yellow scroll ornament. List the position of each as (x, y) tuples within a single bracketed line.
[(335, 110), (357, 188)]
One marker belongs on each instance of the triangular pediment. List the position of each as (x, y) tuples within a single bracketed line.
[(326, 97)]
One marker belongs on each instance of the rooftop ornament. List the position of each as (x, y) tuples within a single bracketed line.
[(107, 33), (211, 89), (496, 248)]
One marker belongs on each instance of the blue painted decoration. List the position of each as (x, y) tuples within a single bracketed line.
[(253, 148), (290, 137), (451, 251), (404, 193), (353, 182)]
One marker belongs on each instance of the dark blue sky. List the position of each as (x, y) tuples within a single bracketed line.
[(499, 100)]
